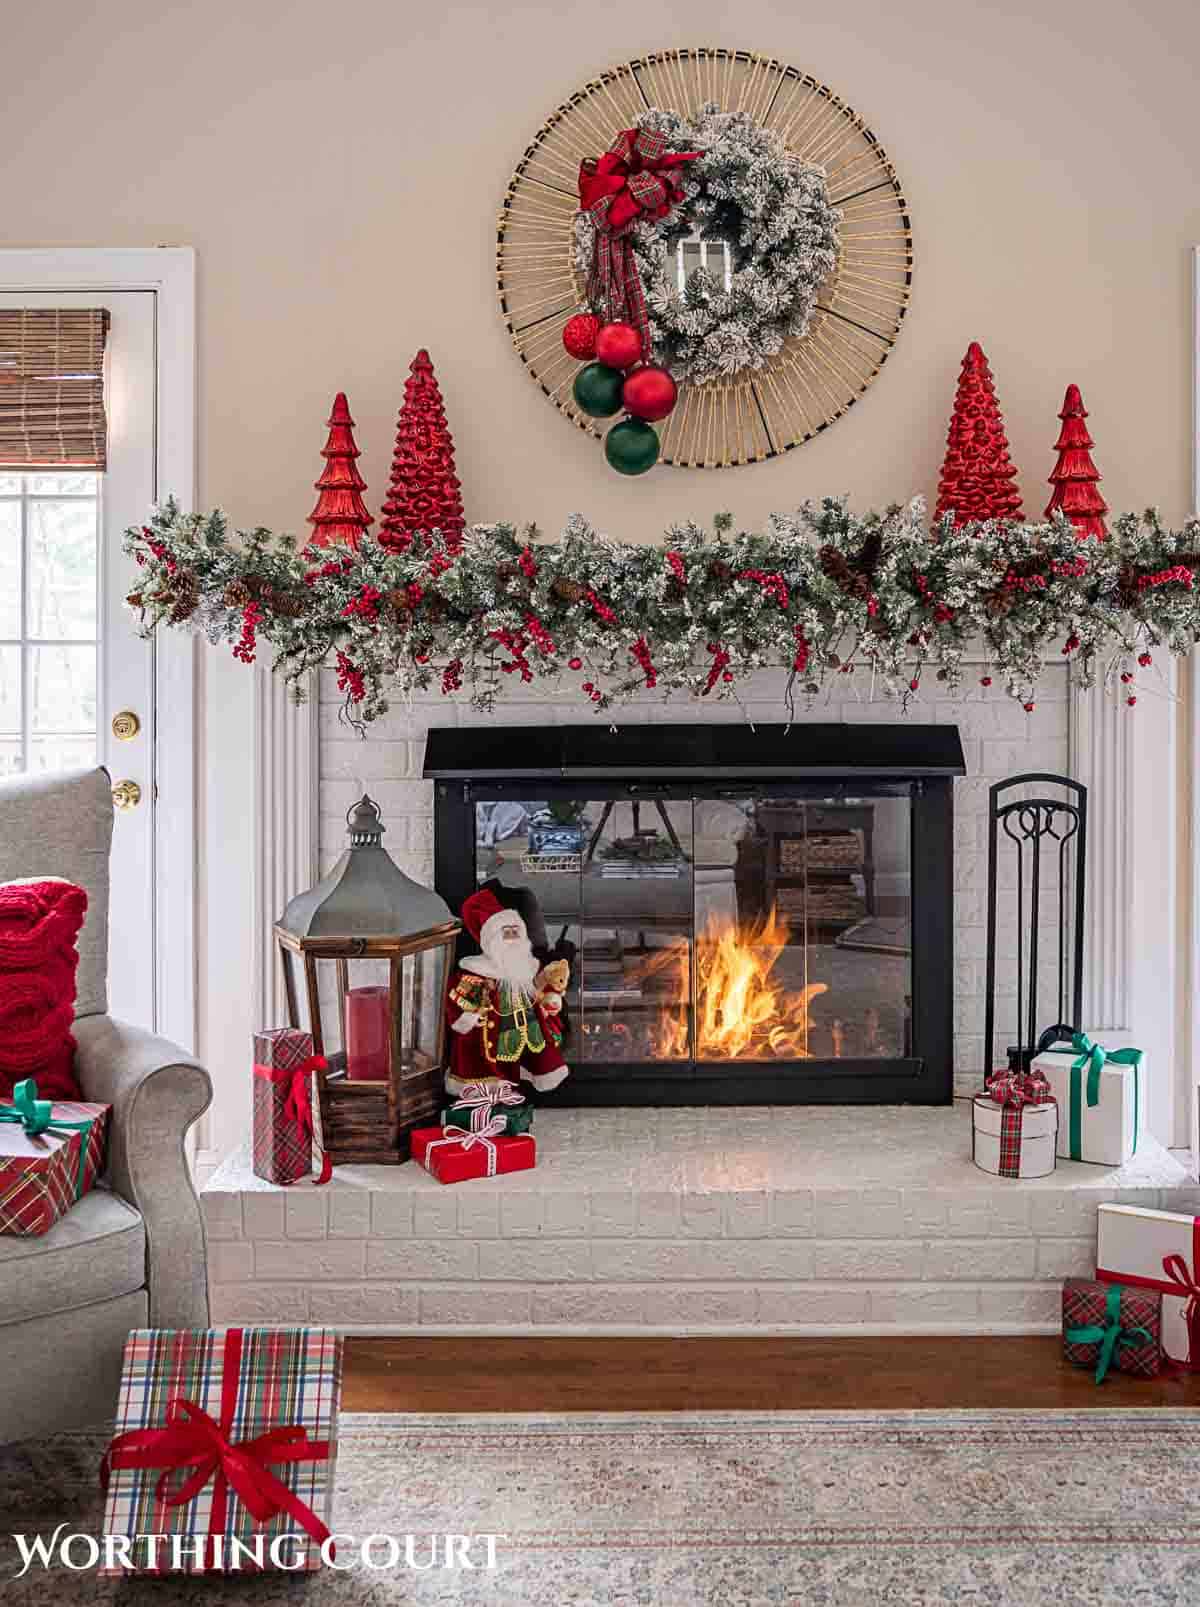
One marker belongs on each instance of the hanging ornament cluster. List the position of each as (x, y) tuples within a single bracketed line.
[(424, 494), (619, 381)]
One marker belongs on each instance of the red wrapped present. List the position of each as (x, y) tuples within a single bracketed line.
[(51, 1154), (453, 1155), (225, 1448), (1107, 1325), (284, 1066)]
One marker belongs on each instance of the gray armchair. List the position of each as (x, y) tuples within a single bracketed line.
[(131, 1254)]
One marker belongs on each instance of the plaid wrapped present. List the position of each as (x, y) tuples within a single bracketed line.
[(284, 1065), (1014, 1124), (480, 1102), (188, 1399), (1107, 1325), (452, 1155), (51, 1154)]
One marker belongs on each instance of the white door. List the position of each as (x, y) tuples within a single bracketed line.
[(70, 661)]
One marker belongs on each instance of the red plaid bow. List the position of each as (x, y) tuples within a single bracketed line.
[(632, 180)]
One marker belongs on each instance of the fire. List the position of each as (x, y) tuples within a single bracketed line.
[(742, 1012)]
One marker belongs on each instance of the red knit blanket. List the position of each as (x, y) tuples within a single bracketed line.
[(38, 920), (39, 923)]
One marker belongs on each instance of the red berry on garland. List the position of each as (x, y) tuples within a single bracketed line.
[(618, 345), (575, 663), (597, 390), (727, 676), (914, 686), (1131, 701), (650, 393), (1144, 659), (579, 335), (985, 680), (1029, 708)]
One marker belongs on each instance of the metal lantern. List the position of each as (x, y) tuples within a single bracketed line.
[(377, 950)]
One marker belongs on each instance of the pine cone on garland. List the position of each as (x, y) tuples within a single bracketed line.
[(287, 604), (720, 571), (837, 567), (869, 555), (236, 595), (569, 591), (135, 599), (399, 601), (186, 598)]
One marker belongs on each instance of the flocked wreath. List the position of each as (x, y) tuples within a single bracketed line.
[(744, 188)]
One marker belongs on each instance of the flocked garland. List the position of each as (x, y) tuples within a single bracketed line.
[(822, 593), (773, 209)]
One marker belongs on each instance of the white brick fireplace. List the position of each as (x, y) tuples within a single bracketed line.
[(794, 1219)]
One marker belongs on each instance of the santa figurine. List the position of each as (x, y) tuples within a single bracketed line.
[(505, 1007)]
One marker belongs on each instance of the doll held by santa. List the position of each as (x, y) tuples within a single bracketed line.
[(505, 1008)]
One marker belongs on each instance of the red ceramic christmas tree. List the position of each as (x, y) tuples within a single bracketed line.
[(424, 494), (340, 514), (978, 476), (1075, 475)]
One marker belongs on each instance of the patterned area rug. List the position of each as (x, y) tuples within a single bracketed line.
[(992, 1509)]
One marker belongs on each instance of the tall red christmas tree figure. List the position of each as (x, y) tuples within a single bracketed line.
[(340, 515), (424, 494), (1075, 475), (977, 479)]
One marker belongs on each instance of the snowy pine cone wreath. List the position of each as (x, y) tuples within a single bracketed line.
[(774, 212)]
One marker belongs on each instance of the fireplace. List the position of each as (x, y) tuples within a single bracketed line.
[(754, 915)]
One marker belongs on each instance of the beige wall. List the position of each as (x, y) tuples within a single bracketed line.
[(339, 170)]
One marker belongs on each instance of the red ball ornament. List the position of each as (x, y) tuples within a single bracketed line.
[(649, 393), (618, 345), (579, 335)]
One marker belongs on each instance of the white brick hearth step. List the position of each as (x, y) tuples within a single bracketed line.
[(792, 1219)]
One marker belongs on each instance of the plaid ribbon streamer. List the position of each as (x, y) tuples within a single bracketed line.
[(633, 181), (1013, 1091)]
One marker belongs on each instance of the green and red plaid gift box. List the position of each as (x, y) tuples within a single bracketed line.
[(1107, 1325), (187, 1397), (51, 1154), (284, 1066)]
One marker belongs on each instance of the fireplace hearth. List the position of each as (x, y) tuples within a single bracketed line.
[(754, 915)]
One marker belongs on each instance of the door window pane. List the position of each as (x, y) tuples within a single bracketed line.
[(49, 620), (62, 569)]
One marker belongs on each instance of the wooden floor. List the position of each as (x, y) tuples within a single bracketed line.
[(593, 1375)]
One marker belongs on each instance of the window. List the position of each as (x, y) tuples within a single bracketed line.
[(49, 635)]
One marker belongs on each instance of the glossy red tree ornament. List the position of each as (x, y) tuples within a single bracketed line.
[(424, 493), (579, 335), (618, 346), (649, 393), (977, 479), (1075, 475), (340, 516)]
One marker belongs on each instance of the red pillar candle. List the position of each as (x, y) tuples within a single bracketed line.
[(368, 1034)]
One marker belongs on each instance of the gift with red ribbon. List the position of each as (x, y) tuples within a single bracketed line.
[(1013, 1092), (284, 1137), (225, 1446), (479, 1102), (1159, 1250), (51, 1154), (454, 1154), (636, 180)]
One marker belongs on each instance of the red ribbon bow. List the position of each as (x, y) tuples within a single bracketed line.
[(297, 1107), (192, 1440), (633, 180), (1015, 1089)]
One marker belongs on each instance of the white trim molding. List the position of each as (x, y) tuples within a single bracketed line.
[(286, 824), (169, 273)]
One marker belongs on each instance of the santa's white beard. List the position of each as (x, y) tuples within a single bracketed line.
[(512, 962)]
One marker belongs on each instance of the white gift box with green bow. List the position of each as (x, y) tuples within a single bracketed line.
[(1101, 1096)]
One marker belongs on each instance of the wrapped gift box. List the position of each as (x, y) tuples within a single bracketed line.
[(280, 1387), (1157, 1251), (1114, 1314), (481, 1102), (43, 1173), (283, 1120), (1099, 1097), (453, 1156), (1013, 1143)]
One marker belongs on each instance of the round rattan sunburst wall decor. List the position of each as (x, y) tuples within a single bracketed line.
[(756, 412)]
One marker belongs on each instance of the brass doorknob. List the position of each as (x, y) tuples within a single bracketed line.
[(127, 795), (126, 725)]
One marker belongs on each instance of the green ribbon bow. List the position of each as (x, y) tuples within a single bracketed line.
[(1095, 1057), (1108, 1335), (36, 1116)]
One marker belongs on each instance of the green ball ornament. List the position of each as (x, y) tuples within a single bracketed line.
[(631, 447), (597, 390)]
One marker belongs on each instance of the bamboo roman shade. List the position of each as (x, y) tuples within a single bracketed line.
[(52, 387)]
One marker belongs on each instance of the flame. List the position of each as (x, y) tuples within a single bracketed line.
[(742, 1012)]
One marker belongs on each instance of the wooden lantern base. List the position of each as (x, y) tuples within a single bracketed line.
[(357, 1118)]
